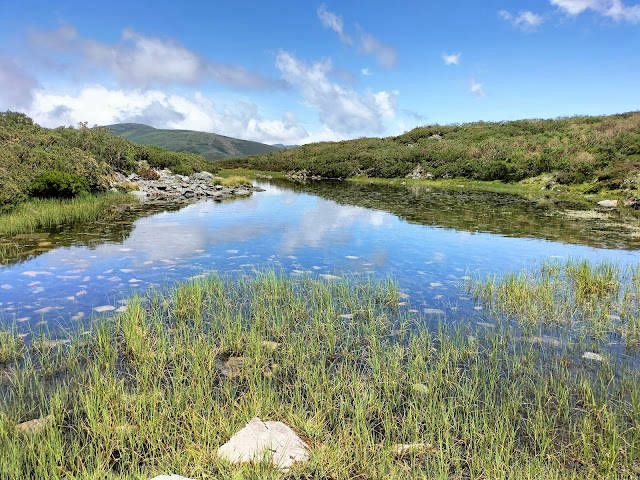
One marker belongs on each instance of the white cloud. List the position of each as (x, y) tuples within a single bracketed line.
[(334, 22), (341, 109), (477, 89), (386, 55), (143, 61), (525, 20), (366, 72), (16, 84), (102, 106), (614, 9), (451, 58)]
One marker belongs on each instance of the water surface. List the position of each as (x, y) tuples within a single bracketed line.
[(430, 241)]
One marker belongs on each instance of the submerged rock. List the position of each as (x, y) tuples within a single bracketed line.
[(592, 356), (232, 367), (259, 440), (35, 426)]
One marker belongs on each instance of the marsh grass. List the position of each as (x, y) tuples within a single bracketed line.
[(584, 299), (35, 215), (232, 181), (142, 394)]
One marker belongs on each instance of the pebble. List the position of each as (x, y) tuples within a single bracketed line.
[(433, 311), (592, 356), (435, 284), (104, 308)]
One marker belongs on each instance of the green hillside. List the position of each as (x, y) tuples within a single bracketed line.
[(63, 162), (601, 150), (210, 145)]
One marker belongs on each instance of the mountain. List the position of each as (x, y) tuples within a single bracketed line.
[(210, 145)]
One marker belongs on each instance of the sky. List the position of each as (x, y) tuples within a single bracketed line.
[(295, 72)]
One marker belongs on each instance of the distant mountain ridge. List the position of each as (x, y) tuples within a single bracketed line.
[(210, 145)]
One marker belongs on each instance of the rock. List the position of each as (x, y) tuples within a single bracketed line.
[(35, 426), (400, 449), (328, 276), (632, 203), (203, 176), (608, 203), (436, 136), (420, 388), (433, 311), (258, 440), (104, 308), (270, 345), (545, 340), (232, 367), (139, 194), (592, 356)]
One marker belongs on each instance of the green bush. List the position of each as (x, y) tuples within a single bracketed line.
[(57, 184)]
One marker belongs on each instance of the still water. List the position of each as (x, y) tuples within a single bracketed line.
[(430, 241)]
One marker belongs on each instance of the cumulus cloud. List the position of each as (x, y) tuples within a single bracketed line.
[(614, 9), (386, 55), (334, 22), (477, 89), (451, 58), (526, 20), (99, 105), (366, 72), (16, 84), (144, 61), (341, 109)]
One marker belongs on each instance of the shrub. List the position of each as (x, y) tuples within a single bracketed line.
[(57, 184)]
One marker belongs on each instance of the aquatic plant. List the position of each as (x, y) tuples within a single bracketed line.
[(232, 181), (146, 393)]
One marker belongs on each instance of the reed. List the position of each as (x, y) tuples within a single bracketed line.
[(142, 393)]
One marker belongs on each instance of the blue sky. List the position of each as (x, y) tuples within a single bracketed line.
[(296, 72)]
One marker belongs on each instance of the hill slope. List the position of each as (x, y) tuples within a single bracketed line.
[(571, 150), (210, 145), (91, 156)]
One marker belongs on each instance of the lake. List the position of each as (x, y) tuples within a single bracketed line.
[(430, 241)]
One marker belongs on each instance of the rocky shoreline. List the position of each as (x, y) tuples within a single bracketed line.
[(170, 187)]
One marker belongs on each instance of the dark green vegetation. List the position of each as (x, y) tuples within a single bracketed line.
[(210, 145), (604, 151), (63, 162), (143, 393)]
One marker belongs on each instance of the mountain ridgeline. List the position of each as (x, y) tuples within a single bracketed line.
[(603, 150), (210, 145)]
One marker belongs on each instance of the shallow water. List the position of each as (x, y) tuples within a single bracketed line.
[(430, 241)]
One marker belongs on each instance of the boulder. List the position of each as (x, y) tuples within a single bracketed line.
[(608, 203), (259, 440), (35, 426), (203, 176)]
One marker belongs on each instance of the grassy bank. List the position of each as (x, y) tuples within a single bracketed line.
[(37, 214), (144, 393), (598, 153)]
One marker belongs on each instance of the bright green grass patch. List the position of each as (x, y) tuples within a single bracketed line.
[(583, 298), (142, 394), (44, 214)]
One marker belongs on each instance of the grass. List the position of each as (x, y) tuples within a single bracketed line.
[(590, 153), (594, 301), (142, 393), (232, 181), (36, 215)]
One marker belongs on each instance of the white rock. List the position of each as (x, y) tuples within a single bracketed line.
[(104, 308), (328, 276), (259, 440), (433, 311), (592, 356), (608, 203)]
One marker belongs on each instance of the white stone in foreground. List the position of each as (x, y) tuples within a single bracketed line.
[(259, 440)]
